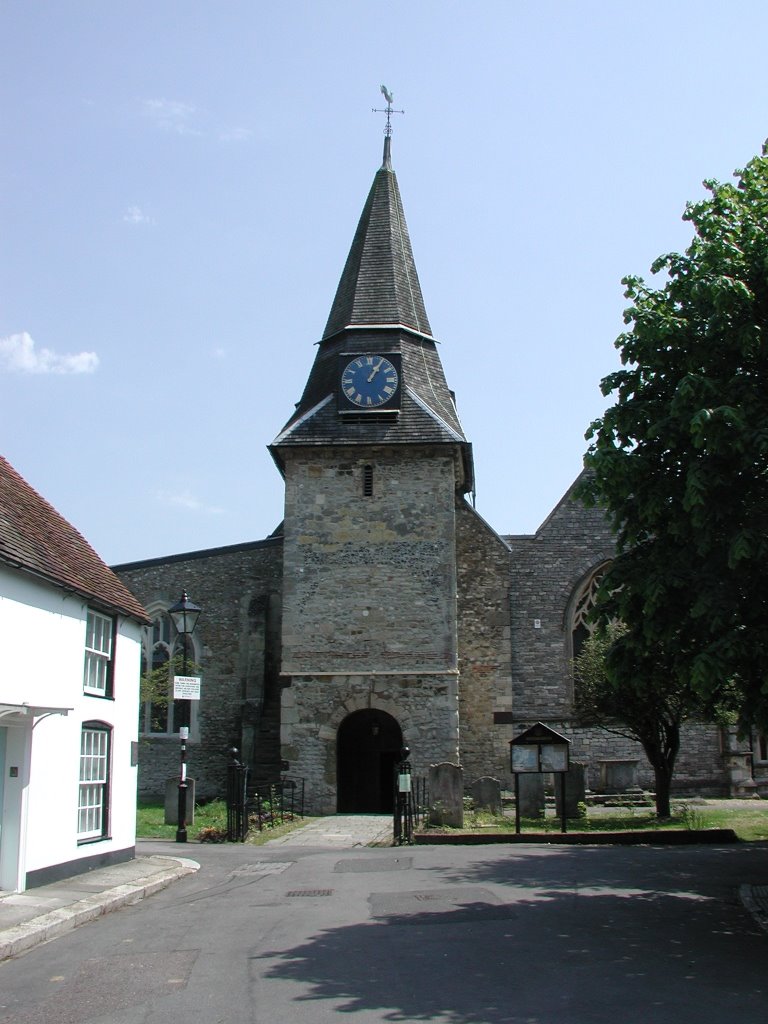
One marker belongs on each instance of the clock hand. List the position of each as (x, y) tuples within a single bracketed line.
[(375, 370)]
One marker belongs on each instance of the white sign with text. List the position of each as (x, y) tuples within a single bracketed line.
[(186, 687)]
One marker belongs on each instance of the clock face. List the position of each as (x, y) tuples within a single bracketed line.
[(369, 381)]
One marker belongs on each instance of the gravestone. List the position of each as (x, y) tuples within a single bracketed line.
[(618, 775), (446, 795), (486, 794), (531, 794), (575, 791)]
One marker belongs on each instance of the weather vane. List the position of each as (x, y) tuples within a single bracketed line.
[(389, 110)]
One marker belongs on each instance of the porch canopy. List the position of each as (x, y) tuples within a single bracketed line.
[(17, 713)]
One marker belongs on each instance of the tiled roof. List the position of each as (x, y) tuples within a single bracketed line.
[(379, 284), (35, 538)]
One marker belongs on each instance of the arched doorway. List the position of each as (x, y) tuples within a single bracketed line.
[(368, 746)]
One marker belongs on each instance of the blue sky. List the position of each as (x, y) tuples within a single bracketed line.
[(181, 182)]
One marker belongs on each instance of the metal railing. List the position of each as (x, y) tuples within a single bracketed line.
[(420, 794), (259, 808), (410, 806), (237, 802), (282, 801)]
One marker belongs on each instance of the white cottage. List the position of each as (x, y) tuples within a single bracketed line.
[(70, 651)]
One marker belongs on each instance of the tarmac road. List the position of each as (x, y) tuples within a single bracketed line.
[(455, 935)]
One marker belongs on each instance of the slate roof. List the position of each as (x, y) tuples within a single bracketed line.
[(378, 308), (379, 284), (36, 539)]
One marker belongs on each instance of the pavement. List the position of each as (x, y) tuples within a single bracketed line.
[(48, 911), (342, 831)]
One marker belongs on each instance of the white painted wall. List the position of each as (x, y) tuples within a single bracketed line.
[(42, 649)]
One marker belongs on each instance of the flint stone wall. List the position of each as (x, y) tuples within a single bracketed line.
[(370, 579), (425, 707), (483, 563), (238, 589)]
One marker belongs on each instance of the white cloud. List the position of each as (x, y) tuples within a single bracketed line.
[(186, 500), (186, 119), (219, 352), (236, 135), (135, 215), (172, 116), (18, 355)]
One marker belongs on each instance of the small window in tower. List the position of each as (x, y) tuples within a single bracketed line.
[(367, 481)]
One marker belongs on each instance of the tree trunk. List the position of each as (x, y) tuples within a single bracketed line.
[(661, 750), (662, 775)]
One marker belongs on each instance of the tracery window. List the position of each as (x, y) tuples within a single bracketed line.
[(162, 657), (581, 607)]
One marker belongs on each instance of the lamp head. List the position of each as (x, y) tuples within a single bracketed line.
[(184, 614)]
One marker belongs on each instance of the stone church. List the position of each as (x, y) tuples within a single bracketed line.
[(384, 610)]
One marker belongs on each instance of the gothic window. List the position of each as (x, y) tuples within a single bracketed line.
[(581, 605), (162, 657)]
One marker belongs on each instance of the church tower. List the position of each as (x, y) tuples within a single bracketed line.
[(375, 464)]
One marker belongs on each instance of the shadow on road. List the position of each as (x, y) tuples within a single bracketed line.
[(538, 947)]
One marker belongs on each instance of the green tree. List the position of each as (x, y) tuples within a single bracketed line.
[(650, 711), (680, 461)]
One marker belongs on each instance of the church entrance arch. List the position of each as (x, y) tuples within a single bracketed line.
[(368, 746)]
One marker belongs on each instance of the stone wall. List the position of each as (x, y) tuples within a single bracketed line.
[(370, 579), (700, 769), (425, 707), (369, 604), (547, 569), (238, 589), (443, 594), (483, 562)]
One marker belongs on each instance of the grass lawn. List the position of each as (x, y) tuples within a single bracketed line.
[(748, 819), (150, 823)]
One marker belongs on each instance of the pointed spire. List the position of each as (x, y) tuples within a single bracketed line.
[(379, 285)]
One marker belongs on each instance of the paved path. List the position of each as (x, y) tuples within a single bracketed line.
[(342, 831), (48, 911)]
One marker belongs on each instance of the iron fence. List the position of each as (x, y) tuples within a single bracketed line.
[(410, 809), (237, 802), (275, 804), (259, 808), (420, 794)]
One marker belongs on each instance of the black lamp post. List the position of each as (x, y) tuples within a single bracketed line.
[(185, 616)]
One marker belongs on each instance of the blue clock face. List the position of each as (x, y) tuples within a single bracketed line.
[(369, 381)]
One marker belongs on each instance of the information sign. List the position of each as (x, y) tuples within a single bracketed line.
[(186, 687)]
